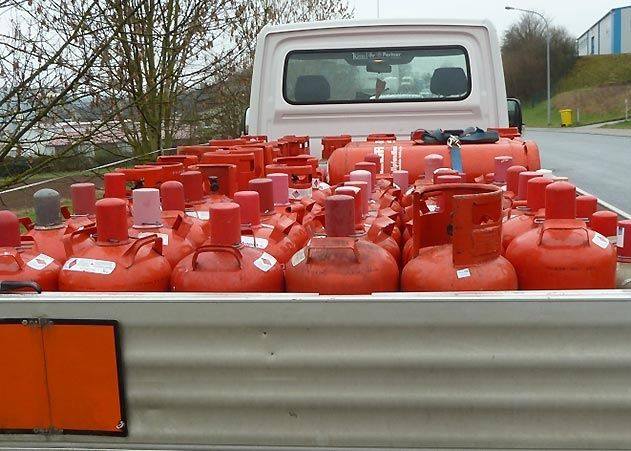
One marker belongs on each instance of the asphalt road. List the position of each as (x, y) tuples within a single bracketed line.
[(596, 162)]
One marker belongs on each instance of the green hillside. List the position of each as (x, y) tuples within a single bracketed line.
[(595, 88)]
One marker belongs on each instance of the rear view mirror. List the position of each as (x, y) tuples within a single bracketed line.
[(378, 67), (515, 118)]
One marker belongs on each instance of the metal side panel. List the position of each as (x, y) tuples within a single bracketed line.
[(504, 370)]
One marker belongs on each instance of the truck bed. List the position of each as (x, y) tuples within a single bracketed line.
[(428, 370)]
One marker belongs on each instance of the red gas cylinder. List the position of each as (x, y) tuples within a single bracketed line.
[(605, 223), (459, 244), (265, 189), (477, 159), (226, 265), (186, 160), (20, 261), (83, 197), (245, 163), (219, 179), (148, 221), (280, 238), (623, 247), (49, 231), (115, 185), (330, 143), (196, 150), (502, 163), (531, 214), (586, 206), (512, 179), (379, 231), (338, 263), (562, 253), (114, 262), (173, 206)]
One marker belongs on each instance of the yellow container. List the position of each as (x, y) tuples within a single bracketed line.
[(566, 118)]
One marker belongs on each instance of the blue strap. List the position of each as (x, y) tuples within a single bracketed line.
[(454, 152)]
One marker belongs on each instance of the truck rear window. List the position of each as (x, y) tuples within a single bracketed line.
[(411, 74)]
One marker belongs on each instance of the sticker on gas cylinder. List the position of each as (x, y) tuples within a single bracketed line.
[(463, 273), (297, 194), (250, 241), (164, 236), (204, 215), (600, 241), (298, 257), (317, 184), (265, 262), (620, 237), (90, 265), (40, 262)]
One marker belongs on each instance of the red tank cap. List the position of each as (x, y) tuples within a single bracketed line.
[(536, 193), (512, 178), (115, 185), (374, 158), (522, 190), (448, 178), (225, 224), (83, 197), (111, 221), (9, 229), (370, 167), (265, 188), (560, 201), (193, 182), (623, 244), (146, 207), (432, 162), (604, 222), (365, 194), (339, 215), (401, 178), (356, 193), (502, 163), (280, 182), (172, 196), (586, 206), (250, 207), (443, 171)]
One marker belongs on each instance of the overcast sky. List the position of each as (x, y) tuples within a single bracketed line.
[(576, 16)]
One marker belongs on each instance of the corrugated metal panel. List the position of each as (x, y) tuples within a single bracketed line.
[(544, 370)]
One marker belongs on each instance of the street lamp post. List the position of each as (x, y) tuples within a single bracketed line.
[(529, 11)]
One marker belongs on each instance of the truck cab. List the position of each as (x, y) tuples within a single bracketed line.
[(359, 77)]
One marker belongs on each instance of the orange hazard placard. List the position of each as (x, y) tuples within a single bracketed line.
[(23, 393), (66, 378)]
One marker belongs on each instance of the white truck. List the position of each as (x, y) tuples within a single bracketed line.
[(362, 77), (489, 370)]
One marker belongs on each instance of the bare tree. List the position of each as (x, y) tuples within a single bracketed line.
[(132, 69)]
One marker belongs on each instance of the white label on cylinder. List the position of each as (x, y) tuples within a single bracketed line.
[(164, 236), (298, 257), (297, 194), (204, 215), (463, 273), (265, 262), (620, 237), (251, 241), (600, 241), (40, 262), (90, 265)]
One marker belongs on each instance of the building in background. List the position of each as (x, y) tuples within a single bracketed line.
[(611, 35)]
